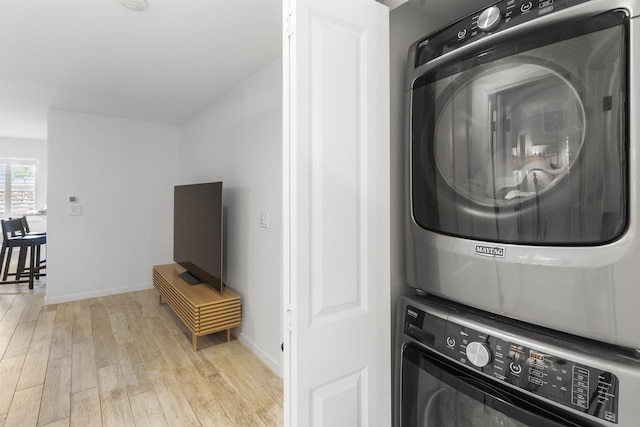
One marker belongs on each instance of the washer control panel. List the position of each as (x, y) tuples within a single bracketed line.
[(581, 387), (500, 16)]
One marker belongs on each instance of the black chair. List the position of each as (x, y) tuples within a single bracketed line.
[(25, 226), (40, 263), (14, 235)]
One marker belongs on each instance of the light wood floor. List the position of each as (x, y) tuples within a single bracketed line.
[(123, 360)]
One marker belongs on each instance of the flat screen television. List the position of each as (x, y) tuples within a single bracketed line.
[(197, 233)]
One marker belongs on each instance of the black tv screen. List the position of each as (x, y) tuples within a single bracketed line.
[(197, 233)]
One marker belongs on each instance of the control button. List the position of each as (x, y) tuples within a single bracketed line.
[(536, 381), (515, 368), (535, 373), (451, 342), (526, 7), (462, 34), (478, 354), (489, 18)]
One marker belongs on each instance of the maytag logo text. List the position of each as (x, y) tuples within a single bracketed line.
[(492, 251)]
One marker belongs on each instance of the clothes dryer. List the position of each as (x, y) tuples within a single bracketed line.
[(522, 166), (463, 368)]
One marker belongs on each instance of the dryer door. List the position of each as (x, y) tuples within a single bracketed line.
[(525, 143), (436, 393)]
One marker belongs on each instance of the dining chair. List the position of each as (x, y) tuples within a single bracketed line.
[(14, 235)]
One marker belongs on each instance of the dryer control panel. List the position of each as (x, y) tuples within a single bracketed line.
[(576, 385), (498, 17)]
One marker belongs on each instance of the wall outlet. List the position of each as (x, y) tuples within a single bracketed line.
[(264, 220)]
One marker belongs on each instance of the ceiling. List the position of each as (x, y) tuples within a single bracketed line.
[(163, 64)]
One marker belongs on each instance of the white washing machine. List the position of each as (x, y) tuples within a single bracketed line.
[(522, 183), (460, 368)]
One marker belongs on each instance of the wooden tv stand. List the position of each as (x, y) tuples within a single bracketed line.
[(203, 310)]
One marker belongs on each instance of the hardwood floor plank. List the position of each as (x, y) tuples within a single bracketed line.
[(245, 374), (198, 359), (10, 370), (6, 301), (146, 410), (85, 408), (125, 360), (62, 339), (190, 383), (82, 322), (20, 340), (12, 317), (35, 365), (65, 312), (84, 374), (105, 347), (170, 320), (22, 413), (132, 369), (98, 313), (272, 415), (59, 423), (61, 342), (147, 302), (275, 388), (120, 329), (242, 371), (33, 308), (150, 342), (206, 406), (132, 309), (114, 402), (175, 406), (4, 342), (235, 406), (44, 326), (56, 395)]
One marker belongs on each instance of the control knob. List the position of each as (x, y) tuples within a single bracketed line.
[(489, 18), (478, 354)]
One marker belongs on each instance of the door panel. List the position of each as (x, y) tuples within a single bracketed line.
[(336, 195)]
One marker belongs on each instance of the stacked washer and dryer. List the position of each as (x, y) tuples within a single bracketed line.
[(523, 228)]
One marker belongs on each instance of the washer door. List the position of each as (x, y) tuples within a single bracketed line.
[(517, 128), (436, 393), (445, 406), (526, 142)]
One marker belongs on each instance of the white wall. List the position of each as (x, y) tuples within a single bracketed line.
[(123, 172), (238, 140), (17, 148)]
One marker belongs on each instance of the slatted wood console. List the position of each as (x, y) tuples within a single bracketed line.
[(201, 309)]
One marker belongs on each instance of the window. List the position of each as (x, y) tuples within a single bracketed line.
[(17, 186)]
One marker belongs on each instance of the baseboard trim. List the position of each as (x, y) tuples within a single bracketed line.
[(264, 357), (95, 294)]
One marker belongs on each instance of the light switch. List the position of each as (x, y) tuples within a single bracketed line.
[(264, 220), (75, 210)]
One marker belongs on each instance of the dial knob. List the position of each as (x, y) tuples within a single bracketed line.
[(479, 354), (489, 18)]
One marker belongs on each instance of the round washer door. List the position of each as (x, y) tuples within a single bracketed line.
[(525, 143), (509, 134)]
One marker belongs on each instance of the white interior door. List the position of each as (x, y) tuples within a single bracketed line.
[(336, 213)]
